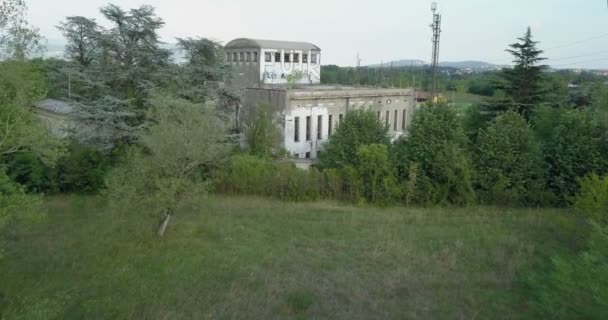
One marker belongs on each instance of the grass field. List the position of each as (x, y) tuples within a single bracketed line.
[(243, 258)]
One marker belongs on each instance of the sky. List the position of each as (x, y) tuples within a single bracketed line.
[(573, 33)]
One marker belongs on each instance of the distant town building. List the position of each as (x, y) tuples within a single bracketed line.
[(267, 62)]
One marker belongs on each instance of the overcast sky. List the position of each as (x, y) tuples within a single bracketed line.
[(574, 33)]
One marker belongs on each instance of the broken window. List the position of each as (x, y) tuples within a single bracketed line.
[(255, 56), (296, 57), (308, 128), (287, 57), (404, 119), (228, 56), (313, 58), (235, 57), (340, 118), (307, 155), (388, 118), (320, 128), (296, 137), (395, 120), (305, 58), (277, 57), (248, 57), (330, 125), (241, 56), (378, 116), (268, 57)]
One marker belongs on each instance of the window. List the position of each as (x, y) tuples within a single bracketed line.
[(228, 56), (340, 118), (307, 155), (403, 120), (296, 57), (296, 137), (268, 57), (277, 57), (308, 128), (248, 56), (330, 125), (313, 58), (395, 120), (241, 56), (379, 101), (235, 57), (389, 101), (378, 116), (287, 57), (388, 118), (305, 58), (320, 128), (255, 56)]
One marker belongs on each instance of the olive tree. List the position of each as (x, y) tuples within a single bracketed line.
[(185, 143)]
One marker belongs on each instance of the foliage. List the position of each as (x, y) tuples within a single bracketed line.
[(576, 286), (83, 36), (183, 145), (436, 146), (509, 162), (246, 175), (262, 134), (592, 199), (576, 144), (358, 128), (376, 172)]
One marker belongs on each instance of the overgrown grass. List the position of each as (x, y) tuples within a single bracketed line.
[(245, 258)]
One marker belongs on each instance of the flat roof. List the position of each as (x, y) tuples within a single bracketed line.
[(246, 43)]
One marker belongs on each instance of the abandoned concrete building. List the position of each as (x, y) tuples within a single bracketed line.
[(258, 62), (306, 111)]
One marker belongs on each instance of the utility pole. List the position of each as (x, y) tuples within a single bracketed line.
[(436, 26)]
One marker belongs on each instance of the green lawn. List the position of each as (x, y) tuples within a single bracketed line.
[(244, 258)]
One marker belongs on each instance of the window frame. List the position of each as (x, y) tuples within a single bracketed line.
[(296, 137), (320, 127)]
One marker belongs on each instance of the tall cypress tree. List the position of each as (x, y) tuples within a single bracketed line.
[(523, 84)]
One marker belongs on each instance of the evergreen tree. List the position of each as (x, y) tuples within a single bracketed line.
[(524, 83)]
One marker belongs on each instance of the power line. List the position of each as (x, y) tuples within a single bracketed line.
[(577, 42)]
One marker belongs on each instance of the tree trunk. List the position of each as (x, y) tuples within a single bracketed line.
[(164, 224)]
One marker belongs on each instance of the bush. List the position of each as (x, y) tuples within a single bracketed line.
[(82, 170), (436, 146), (509, 162), (358, 128), (293, 184), (576, 287), (246, 175), (376, 172), (592, 200)]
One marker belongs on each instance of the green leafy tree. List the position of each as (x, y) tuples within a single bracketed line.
[(575, 145), (509, 162), (436, 146), (592, 199), (358, 128), (186, 142), (18, 39), (83, 36)]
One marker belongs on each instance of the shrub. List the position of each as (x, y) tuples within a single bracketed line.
[(82, 170), (509, 162), (376, 172), (246, 175), (576, 287), (592, 200), (294, 184), (358, 128), (262, 133)]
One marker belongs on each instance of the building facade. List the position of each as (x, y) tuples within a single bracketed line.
[(309, 115), (268, 62)]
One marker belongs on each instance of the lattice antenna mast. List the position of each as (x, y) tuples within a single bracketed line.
[(436, 26)]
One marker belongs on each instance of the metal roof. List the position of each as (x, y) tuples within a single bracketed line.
[(55, 106), (245, 43)]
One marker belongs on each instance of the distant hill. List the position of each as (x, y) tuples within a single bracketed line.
[(473, 66)]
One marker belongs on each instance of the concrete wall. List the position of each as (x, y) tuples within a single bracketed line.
[(317, 104)]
